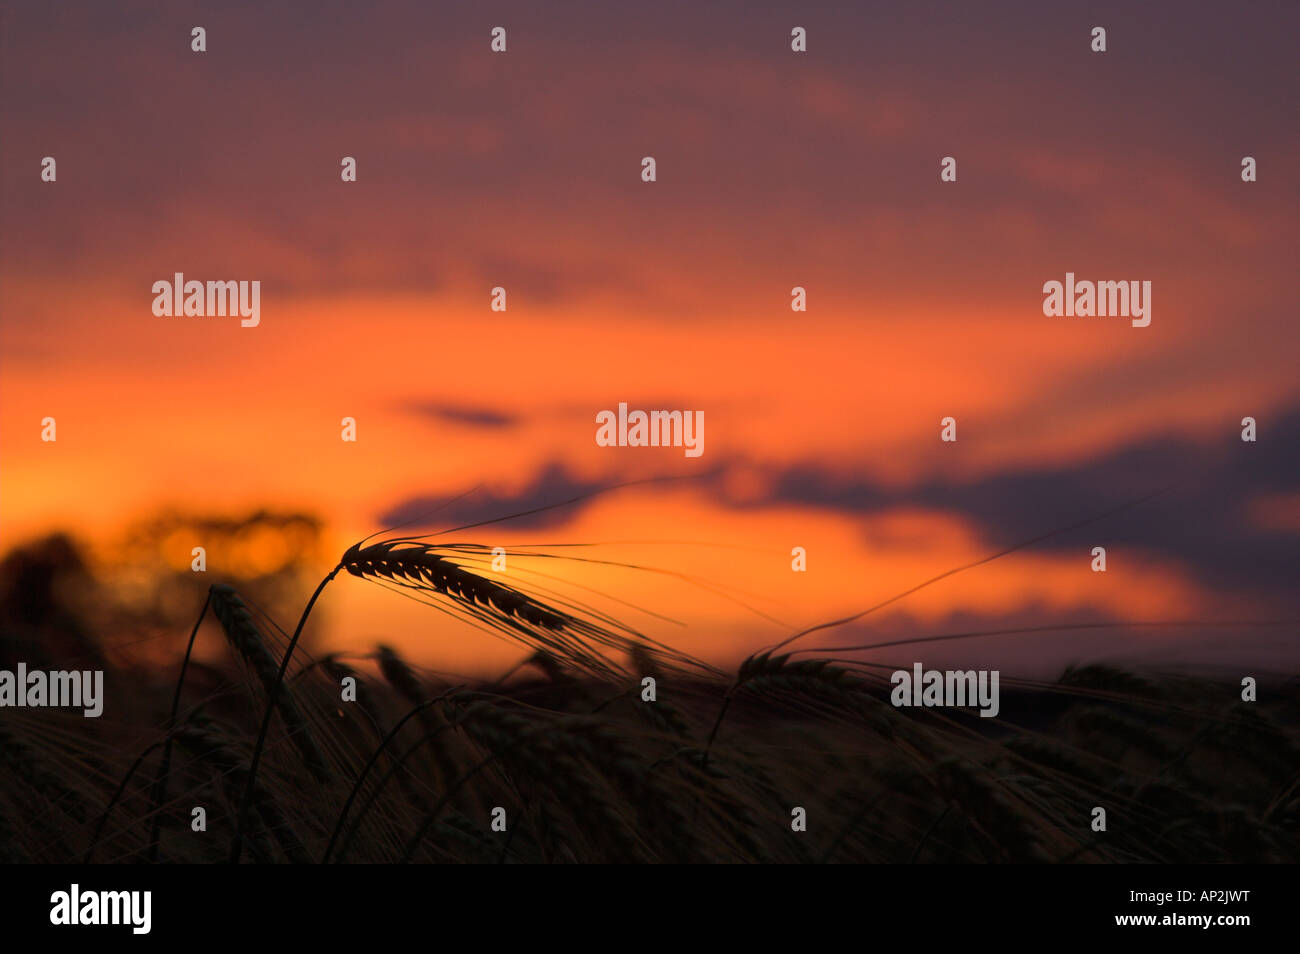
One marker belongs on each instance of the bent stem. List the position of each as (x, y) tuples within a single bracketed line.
[(160, 783), (237, 845), (112, 802), (370, 763)]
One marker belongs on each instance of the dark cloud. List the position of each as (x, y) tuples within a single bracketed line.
[(1201, 518), (553, 485), (464, 415)]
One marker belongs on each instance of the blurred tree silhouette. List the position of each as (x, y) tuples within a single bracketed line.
[(45, 593), (62, 601)]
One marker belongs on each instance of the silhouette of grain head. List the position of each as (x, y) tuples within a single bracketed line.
[(247, 640), (499, 606)]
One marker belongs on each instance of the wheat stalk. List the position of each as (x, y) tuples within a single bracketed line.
[(242, 632)]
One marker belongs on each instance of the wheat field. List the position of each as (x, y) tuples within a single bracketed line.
[(364, 757)]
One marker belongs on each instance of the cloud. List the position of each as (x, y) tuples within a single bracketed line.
[(1204, 520), (461, 415), (551, 486), (1206, 517)]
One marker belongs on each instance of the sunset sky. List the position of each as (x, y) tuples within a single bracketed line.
[(774, 169)]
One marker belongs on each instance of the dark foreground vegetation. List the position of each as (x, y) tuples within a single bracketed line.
[(368, 759)]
